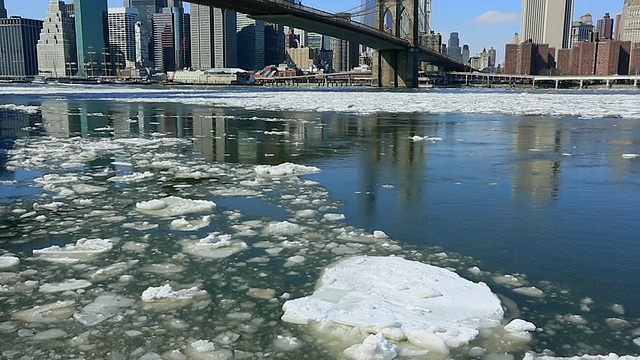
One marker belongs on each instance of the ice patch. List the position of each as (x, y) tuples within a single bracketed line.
[(67, 285), (49, 313), (88, 189), (334, 217), (611, 356), (183, 224), (174, 206), (283, 228), (520, 329), (7, 261), (133, 178), (285, 170), (166, 292), (529, 291), (373, 347), (431, 307), (630, 156), (213, 246), (205, 349), (83, 250), (102, 308)]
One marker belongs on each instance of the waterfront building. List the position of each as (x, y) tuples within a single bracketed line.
[(122, 37), (605, 28), (251, 42), (56, 46), (453, 47), (612, 58), (92, 37), (563, 66), (480, 61), (630, 21), (492, 57), (3, 10), (18, 43), (345, 55), (582, 30), (529, 59), (547, 22), (213, 38), (274, 44)]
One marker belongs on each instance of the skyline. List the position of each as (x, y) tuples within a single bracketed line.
[(485, 24)]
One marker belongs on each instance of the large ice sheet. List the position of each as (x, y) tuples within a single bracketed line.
[(430, 307), (7, 261), (174, 206), (285, 169)]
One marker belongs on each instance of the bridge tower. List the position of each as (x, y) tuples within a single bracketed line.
[(398, 67)]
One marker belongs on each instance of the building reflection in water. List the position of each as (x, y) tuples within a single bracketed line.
[(537, 169)]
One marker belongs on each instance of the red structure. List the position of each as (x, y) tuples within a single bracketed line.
[(605, 28)]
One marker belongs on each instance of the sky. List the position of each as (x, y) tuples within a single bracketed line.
[(481, 23)]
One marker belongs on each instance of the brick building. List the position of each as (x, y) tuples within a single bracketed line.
[(563, 61), (634, 63)]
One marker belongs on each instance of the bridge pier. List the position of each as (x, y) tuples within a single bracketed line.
[(394, 68)]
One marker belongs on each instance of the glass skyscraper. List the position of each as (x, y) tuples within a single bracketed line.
[(92, 37)]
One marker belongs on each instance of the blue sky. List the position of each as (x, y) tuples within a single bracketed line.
[(481, 23)]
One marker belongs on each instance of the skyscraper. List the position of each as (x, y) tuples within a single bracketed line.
[(630, 21), (92, 37), (582, 30), (57, 43), (453, 47), (605, 27), (122, 36), (3, 10), (213, 38), (18, 39), (146, 9), (251, 54), (171, 32), (547, 22), (368, 8)]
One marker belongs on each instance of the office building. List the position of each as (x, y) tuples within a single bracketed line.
[(630, 21), (122, 37), (92, 37), (582, 30), (3, 10), (466, 54), (493, 54), (547, 22), (213, 38), (605, 28), (142, 41), (345, 55), (171, 31), (18, 42), (616, 29), (528, 58), (613, 58), (274, 44), (251, 43), (368, 8), (453, 47), (57, 43)]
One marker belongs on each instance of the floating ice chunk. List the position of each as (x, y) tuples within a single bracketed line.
[(575, 319), (285, 169), (235, 191), (630, 156), (308, 213), (54, 206), (618, 309), (183, 224), (520, 329), (265, 294), (205, 349), (166, 268), (213, 246), (402, 299), (88, 189), (133, 178), (529, 291), (226, 338), (49, 335), (509, 280), (67, 285), (140, 225), (111, 270), (617, 323), (283, 228), (373, 347), (286, 343), (334, 217), (83, 250), (174, 206), (102, 308), (636, 341), (417, 138), (377, 234), (7, 261), (55, 179), (167, 292), (49, 313)]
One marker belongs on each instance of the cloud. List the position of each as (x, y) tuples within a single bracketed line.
[(494, 17)]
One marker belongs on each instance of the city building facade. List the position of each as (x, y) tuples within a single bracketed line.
[(528, 58), (213, 38), (582, 30), (18, 43), (345, 55), (605, 28), (56, 46), (547, 22), (453, 47), (251, 43), (122, 37), (630, 21), (92, 37), (3, 10)]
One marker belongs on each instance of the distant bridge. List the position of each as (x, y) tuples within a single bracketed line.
[(397, 55)]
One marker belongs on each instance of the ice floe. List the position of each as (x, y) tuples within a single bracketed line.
[(285, 169), (166, 292), (67, 285), (373, 347), (7, 261), (49, 313), (174, 206), (102, 308), (83, 250), (183, 224), (213, 246), (429, 307)]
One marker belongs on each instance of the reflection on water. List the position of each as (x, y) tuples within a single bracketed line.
[(549, 198)]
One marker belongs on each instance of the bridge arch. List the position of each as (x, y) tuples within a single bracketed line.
[(388, 23), (404, 26)]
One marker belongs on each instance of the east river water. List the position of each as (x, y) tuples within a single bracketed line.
[(537, 194)]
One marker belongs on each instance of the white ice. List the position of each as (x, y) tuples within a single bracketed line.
[(174, 206), (630, 156), (213, 246), (285, 169), (167, 292), (102, 308), (67, 285), (7, 261), (133, 178), (430, 307), (83, 250), (49, 313), (611, 356), (373, 347), (183, 224)]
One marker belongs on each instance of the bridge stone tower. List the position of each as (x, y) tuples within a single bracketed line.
[(397, 67)]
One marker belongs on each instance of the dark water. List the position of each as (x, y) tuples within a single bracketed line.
[(550, 198)]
